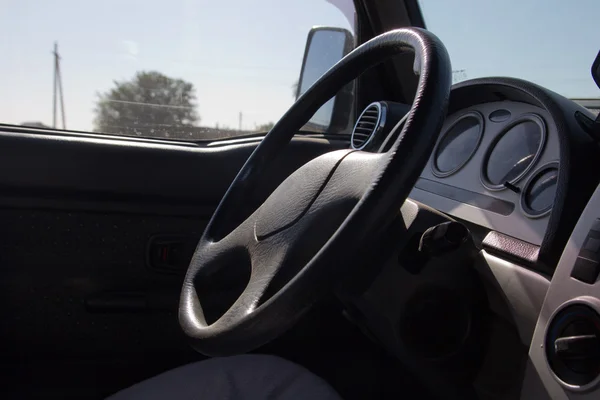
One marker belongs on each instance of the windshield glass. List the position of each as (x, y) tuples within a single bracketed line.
[(180, 69), (549, 42)]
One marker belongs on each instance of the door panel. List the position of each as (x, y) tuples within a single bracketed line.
[(82, 221), (56, 265), (91, 168)]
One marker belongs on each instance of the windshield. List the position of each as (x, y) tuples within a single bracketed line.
[(549, 42), (180, 69)]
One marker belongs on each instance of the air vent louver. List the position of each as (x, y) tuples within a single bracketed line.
[(366, 126)]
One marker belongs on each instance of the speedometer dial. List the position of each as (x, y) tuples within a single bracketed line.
[(514, 152)]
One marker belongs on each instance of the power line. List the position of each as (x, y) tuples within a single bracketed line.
[(139, 103)]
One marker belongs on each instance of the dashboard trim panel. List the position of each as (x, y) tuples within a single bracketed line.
[(523, 291), (474, 199)]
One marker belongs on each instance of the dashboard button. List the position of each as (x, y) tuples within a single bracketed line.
[(596, 225), (592, 244), (586, 270)]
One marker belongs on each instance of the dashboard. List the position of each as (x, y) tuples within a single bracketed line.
[(495, 165), (512, 158), (515, 164)]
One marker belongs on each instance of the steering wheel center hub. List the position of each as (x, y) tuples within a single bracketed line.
[(295, 196)]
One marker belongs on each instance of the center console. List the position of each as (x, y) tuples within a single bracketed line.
[(565, 351)]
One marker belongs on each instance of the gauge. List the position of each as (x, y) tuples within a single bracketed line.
[(458, 144), (539, 192), (513, 152)]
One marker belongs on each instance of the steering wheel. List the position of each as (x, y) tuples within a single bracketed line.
[(304, 237)]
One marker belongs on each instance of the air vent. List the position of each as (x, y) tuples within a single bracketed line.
[(366, 126)]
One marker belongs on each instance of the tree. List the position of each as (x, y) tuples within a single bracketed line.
[(151, 104), (265, 127), (459, 75), (35, 124)]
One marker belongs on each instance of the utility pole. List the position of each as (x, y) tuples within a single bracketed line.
[(58, 90), (240, 122), (54, 90)]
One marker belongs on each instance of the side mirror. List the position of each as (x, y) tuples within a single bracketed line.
[(325, 46), (596, 70), (591, 126)]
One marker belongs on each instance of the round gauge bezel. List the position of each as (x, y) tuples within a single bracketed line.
[(444, 174), (484, 163), (525, 209)]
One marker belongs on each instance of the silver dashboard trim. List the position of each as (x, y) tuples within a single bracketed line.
[(564, 289), (523, 290), (470, 114), (537, 119)]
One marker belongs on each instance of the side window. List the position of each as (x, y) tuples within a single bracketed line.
[(178, 69)]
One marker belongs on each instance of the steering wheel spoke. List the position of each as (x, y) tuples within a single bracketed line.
[(210, 254), (261, 277)]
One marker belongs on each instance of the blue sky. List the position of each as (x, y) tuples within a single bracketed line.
[(244, 55), (240, 55), (549, 42)]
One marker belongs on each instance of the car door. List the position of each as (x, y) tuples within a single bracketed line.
[(116, 145)]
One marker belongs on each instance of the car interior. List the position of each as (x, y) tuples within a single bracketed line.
[(434, 238)]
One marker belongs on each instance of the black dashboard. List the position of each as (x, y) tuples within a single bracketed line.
[(511, 159)]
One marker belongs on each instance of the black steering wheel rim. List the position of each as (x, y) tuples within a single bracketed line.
[(368, 188)]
